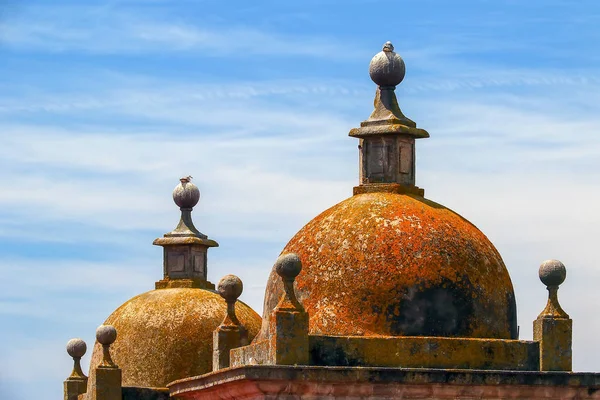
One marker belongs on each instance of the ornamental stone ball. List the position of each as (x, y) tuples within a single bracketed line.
[(186, 194), (288, 266), (76, 348), (230, 287), (106, 334), (552, 272), (387, 68)]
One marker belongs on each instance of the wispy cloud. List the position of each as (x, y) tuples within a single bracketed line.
[(94, 30)]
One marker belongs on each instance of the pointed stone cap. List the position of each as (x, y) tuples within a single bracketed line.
[(387, 69), (186, 195)]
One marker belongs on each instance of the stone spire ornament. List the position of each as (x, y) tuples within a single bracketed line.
[(230, 287), (108, 378), (231, 334), (76, 383), (288, 267), (387, 137), (76, 349), (552, 274), (553, 328), (288, 321), (106, 335), (185, 247)]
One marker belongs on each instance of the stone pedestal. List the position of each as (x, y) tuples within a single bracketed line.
[(225, 339), (107, 384), (289, 342), (73, 387), (555, 338)]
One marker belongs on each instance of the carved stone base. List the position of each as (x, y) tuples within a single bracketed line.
[(388, 188), (184, 283)]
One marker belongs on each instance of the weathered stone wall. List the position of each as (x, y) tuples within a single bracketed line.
[(327, 383)]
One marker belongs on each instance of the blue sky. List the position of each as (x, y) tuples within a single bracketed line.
[(104, 105)]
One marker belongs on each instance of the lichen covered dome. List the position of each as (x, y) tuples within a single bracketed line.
[(167, 334), (397, 264)]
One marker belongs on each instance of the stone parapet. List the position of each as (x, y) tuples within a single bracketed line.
[(425, 352), (294, 382), (403, 352)]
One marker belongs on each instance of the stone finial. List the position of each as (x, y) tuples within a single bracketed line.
[(387, 138), (230, 287), (287, 342), (553, 329), (106, 335), (76, 349), (186, 194), (185, 247), (288, 266), (107, 379), (76, 383), (387, 69), (288, 323), (552, 273), (231, 334)]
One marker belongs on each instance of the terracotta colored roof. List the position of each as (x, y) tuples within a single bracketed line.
[(397, 264)]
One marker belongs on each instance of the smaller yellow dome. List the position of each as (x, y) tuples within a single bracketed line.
[(167, 334)]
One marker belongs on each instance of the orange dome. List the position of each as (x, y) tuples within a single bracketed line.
[(167, 334), (400, 265)]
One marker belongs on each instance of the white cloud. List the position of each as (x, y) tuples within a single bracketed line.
[(98, 30)]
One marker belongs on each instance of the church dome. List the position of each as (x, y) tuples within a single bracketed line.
[(389, 262), (167, 334), (399, 265)]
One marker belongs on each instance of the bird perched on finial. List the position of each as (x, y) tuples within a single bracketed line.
[(387, 68), (186, 194)]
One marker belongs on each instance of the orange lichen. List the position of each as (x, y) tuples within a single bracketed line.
[(398, 264), (167, 334)]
